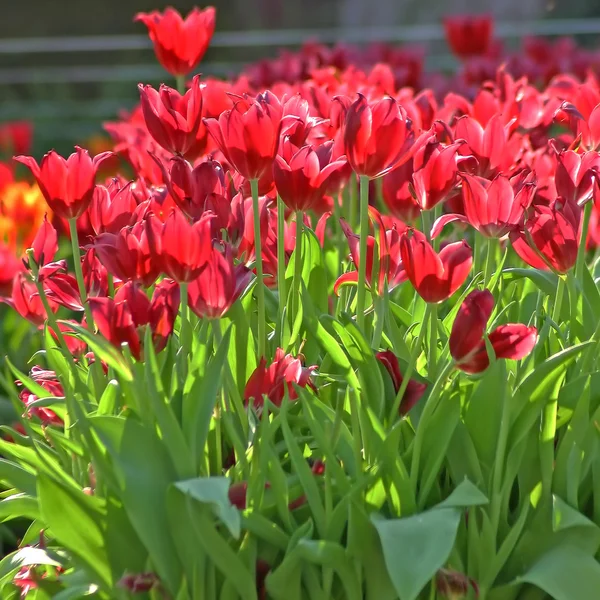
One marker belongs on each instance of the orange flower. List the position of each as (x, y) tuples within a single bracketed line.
[(22, 210)]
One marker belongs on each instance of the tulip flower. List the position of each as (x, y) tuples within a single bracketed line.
[(26, 301), (248, 134), (467, 344), (180, 248), (494, 208), (45, 243), (112, 207), (549, 239), (301, 178), (575, 175), (219, 285), (435, 277), (414, 390), (173, 120), (66, 184), (179, 44), (282, 374), (49, 381), (127, 254), (396, 191), (390, 267), (122, 319), (9, 267), (378, 136), (454, 585), (468, 35)]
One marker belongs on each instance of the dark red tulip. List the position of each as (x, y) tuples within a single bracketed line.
[(62, 288), (45, 243), (414, 390), (467, 345), (67, 184), (123, 319), (274, 380), (550, 239), (378, 136), (127, 255), (173, 120), (575, 175), (138, 583), (112, 207), (434, 276), (494, 208), (181, 249), (47, 380), (396, 191), (26, 300), (219, 285), (248, 134), (468, 35), (179, 44), (301, 178), (95, 275)]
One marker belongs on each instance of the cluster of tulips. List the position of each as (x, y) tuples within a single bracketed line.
[(347, 193)]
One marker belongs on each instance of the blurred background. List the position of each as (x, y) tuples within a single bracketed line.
[(68, 66)]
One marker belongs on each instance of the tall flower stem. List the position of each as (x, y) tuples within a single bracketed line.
[(79, 273), (489, 260), (260, 290), (180, 83), (412, 362), (580, 264), (185, 332), (362, 263), (433, 338), (297, 263), (380, 304), (281, 259)]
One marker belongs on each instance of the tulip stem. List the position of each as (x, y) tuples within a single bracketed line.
[(412, 362), (580, 264), (180, 84), (297, 262), (433, 339), (184, 333), (380, 304), (362, 252), (260, 290), (489, 258), (281, 261), (79, 273)]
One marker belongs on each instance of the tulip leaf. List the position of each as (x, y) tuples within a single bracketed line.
[(546, 281)]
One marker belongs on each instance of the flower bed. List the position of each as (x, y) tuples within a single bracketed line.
[(337, 338)]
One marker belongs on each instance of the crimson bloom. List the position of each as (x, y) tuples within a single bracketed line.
[(47, 380), (67, 184), (219, 284), (550, 239), (127, 254), (414, 389), (434, 276), (248, 134), (575, 175), (468, 35), (123, 319), (112, 207), (494, 208), (274, 380), (172, 119), (378, 136), (26, 301), (180, 248), (300, 176), (396, 191), (179, 44), (45, 243), (9, 267), (467, 344)]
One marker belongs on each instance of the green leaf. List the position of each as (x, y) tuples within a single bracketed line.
[(544, 280), (214, 491)]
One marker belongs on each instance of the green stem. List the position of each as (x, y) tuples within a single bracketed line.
[(428, 411), (260, 289), (79, 273), (416, 351), (362, 252), (352, 201), (496, 500), (560, 292), (180, 83), (580, 264), (573, 304), (380, 305), (489, 260), (111, 285), (281, 261), (185, 333), (433, 338), (297, 262)]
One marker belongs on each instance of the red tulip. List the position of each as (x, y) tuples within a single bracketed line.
[(301, 178), (434, 276), (550, 239), (435, 172), (218, 286), (172, 119), (414, 390), (179, 44), (26, 300), (272, 381), (122, 319), (396, 191), (494, 208), (9, 267), (248, 134), (45, 243), (181, 249), (390, 267), (127, 254), (467, 345), (378, 136), (575, 175), (67, 184), (112, 207), (15, 137), (95, 275), (468, 35), (48, 381)]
